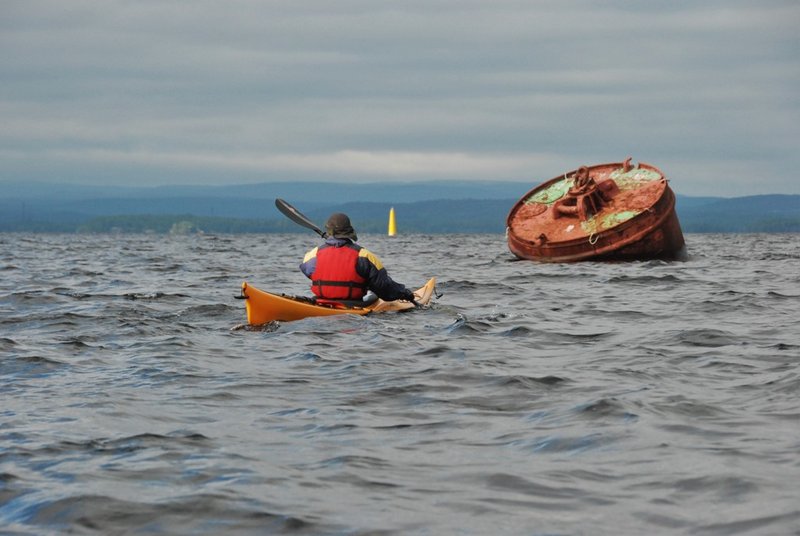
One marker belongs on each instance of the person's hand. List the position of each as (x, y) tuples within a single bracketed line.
[(409, 296)]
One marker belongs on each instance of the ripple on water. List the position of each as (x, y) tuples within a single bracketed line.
[(636, 398)]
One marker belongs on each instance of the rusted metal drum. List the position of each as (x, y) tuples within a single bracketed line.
[(613, 211)]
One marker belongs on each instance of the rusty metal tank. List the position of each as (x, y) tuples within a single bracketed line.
[(614, 211)]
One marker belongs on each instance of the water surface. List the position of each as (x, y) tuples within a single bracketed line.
[(593, 398)]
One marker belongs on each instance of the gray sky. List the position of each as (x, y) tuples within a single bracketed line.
[(199, 92)]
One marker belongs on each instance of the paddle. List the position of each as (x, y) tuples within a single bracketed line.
[(293, 214)]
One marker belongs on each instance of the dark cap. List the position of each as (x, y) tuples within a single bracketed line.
[(338, 226)]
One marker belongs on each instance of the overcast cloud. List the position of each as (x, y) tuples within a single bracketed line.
[(217, 92)]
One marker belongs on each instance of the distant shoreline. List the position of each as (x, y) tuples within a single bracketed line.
[(429, 208)]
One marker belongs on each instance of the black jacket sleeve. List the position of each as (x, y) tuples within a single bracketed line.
[(370, 268)]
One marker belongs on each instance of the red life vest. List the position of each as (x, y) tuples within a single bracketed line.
[(335, 276)]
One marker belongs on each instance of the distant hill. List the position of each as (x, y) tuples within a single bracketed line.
[(751, 214), (294, 192), (436, 207), (36, 206)]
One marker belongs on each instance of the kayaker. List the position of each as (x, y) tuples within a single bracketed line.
[(340, 269)]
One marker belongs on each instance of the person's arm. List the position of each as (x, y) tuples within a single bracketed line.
[(370, 267), (309, 263)]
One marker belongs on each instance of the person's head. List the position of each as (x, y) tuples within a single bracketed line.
[(338, 226)]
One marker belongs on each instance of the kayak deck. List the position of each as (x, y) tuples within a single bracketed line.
[(263, 306)]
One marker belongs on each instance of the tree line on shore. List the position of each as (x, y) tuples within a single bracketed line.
[(442, 216)]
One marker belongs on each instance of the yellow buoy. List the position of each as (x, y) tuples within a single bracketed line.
[(392, 223)]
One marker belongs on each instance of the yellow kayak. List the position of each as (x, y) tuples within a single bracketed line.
[(263, 307)]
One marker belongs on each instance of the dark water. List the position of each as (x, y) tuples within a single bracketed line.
[(634, 398)]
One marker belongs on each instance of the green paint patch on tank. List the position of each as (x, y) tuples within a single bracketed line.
[(597, 224), (633, 178), (551, 194)]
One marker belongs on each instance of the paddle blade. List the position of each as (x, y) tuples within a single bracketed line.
[(296, 216)]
